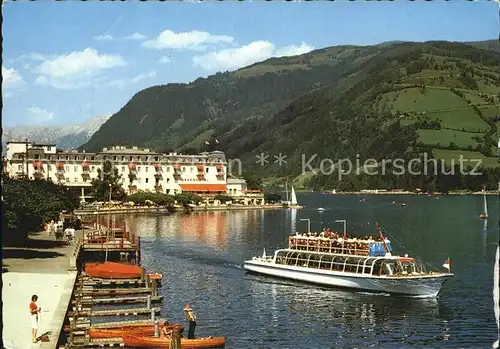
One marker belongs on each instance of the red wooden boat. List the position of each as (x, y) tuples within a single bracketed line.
[(156, 342), (142, 330), (112, 270)]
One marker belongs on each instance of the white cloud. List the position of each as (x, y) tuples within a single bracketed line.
[(256, 51), (193, 40), (39, 113), (136, 36), (164, 59), (122, 83), (106, 37), (11, 78), (76, 69)]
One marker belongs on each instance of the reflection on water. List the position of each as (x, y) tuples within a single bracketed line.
[(201, 257)]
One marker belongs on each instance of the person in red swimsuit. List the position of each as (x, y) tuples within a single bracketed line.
[(34, 310)]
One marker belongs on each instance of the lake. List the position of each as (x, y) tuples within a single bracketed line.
[(201, 257)]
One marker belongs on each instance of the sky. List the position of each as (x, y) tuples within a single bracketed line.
[(64, 62)]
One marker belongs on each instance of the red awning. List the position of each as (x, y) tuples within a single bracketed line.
[(59, 164), (131, 165), (85, 164), (204, 188)]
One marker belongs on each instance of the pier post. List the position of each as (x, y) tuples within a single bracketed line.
[(149, 302), (153, 314), (175, 342), (157, 330), (154, 287)]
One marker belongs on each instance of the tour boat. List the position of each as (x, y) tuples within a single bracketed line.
[(157, 342), (363, 264), (112, 270), (143, 330)]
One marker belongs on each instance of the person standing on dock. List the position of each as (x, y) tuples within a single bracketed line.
[(34, 310), (191, 317)]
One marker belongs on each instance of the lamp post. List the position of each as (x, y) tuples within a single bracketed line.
[(308, 224), (109, 222)]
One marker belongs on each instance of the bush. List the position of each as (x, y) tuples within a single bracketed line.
[(160, 199), (223, 198), (272, 198)]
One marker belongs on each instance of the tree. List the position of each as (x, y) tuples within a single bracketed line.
[(106, 176), (272, 197), (28, 204), (253, 182)]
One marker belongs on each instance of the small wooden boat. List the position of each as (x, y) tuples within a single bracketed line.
[(112, 270), (155, 276), (144, 330), (156, 342)]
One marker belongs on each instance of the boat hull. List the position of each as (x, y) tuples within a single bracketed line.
[(145, 330), (422, 286), (111, 270), (156, 342)]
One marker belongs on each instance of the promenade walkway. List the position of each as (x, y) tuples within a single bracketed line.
[(40, 268)]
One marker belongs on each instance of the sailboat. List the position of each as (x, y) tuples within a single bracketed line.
[(484, 215), (293, 203)]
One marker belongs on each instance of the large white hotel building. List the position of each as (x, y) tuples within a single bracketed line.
[(204, 174)]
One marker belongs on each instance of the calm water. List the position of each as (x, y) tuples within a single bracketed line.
[(201, 257)]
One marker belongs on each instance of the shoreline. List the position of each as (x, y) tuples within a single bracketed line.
[(408, 193), (160, 210)]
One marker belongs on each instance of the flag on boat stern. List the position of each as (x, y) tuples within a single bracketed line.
[(217, 141), (207, 142), (447, 264)]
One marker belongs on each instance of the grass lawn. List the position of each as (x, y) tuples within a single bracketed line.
[(490, 111), (462, 118), (411, 99), (449, 155), (445, 137)]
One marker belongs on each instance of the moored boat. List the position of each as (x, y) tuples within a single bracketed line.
[(113, 270), (342, 261), (144, 330), (156, 342)]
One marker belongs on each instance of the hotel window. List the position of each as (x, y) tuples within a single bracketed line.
[(168, 191), (146, 169), (37, 156), (93, 158), (206, 170), (58, 158), (147, 180), (156, 158), (123, 168), (77, 158), (123, 180), (183, 169), (139, 180), (123, 158), (92, 168), (114, 158), (168, 180), (75, 179), (66, 168), (138, 168), (67, 179), (130, 158), (168, 168), (147, 158), (67, 157), (19, 167), (75, 168), (191, 169), (49, 148)]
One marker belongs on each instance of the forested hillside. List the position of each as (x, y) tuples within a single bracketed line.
[(394, 100)]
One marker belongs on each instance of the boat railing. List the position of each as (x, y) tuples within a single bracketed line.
[(267, 259), (327, 245)]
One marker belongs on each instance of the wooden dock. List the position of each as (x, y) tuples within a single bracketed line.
[(85, 324), (113, 291), (85, 300), (112, 312)]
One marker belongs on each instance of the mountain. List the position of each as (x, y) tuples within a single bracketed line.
[(66, 137), (392, 100)]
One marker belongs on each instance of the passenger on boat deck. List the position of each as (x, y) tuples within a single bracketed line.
[(191, 317), (165, 332)]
